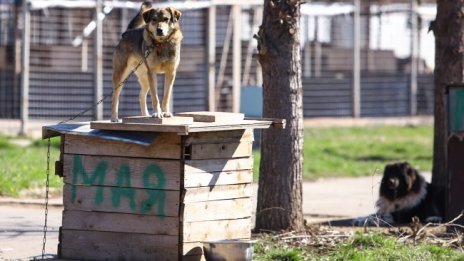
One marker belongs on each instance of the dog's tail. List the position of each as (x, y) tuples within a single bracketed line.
[(138, 21)]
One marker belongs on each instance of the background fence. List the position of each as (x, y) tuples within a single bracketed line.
[(62, 59)]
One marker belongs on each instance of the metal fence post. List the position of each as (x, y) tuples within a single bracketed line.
[(98, 53), (236, 58), (212, 58), (26, 36), (414, 47), (356, 59)]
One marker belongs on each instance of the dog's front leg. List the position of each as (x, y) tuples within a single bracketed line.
[(154, 96), (168, 84), (145, 83)]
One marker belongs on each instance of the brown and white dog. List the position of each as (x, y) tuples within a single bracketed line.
[(159, 32), (404, 194)]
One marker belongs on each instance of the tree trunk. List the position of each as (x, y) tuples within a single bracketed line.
[(280, 181), (449, 32)]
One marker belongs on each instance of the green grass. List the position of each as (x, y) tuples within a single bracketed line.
[(25, 167), (380, 247), (362, 246), (349, 152)]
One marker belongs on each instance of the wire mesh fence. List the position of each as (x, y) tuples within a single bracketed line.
[(62, 58)]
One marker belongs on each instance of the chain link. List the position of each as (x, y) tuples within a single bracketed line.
[(147, 53), (47, 183), (47, 190)]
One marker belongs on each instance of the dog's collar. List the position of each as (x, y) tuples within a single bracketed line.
[(158, 46)]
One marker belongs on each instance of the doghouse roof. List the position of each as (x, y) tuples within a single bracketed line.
[(140, 132), (83, 129)]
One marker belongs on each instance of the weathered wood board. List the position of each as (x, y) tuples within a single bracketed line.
[(201, 179), (119, 222), (218, 117), (217, 210), (152, 120), (217, 165), (199, 194), (165, 146), (219, 137), (180, 129), (221, 150), (216, 230), (96, 245), (122, 172), (121, 200), (183, 129)]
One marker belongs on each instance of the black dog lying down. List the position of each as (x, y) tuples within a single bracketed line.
[(405, 194)]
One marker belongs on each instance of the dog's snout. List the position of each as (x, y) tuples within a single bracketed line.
[(159, 32), (392, 183)]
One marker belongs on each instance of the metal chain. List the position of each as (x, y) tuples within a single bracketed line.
[(147, 53), (47, 183), (47, 190)]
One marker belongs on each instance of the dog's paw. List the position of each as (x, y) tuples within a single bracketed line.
[(157, 115), (167, 114), (434, 219)]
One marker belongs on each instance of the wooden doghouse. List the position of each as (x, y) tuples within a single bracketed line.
[(139, 190)]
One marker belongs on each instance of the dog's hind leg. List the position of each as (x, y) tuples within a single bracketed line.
[(168, 84)]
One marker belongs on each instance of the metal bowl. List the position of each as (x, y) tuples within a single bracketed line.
[(229, 250)]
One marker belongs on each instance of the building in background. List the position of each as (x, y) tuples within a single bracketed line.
[(62, 61)]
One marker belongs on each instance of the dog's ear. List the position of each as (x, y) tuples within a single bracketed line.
[(412, 172), (175, 14), (148, 15), (145, 6)]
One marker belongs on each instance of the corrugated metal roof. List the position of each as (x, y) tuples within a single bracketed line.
[(83, 129)]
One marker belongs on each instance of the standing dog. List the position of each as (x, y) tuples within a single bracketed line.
[(405, 194), (160, 34)]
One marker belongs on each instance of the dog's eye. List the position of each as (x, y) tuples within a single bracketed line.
[(165, 19)]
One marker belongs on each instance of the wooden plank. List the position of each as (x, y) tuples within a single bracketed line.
[(218, 193), (276, 123), (217, 165), (219, 136), (182, 129), (218, 117), (208, 230), (245, 124), (121, 172), (96, 245), (221, 151), (165, 146), (107, 125), (153, 120), (215, 210), (121, 200), (117, 222), (217, 178)]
